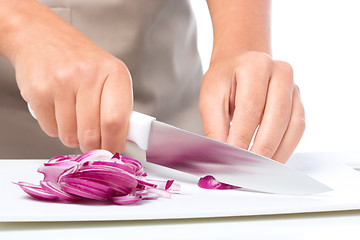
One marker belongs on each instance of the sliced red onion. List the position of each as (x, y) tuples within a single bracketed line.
[(168, 184), (38, 193), (94, 185), (137, 166), (30, 185), (53, 170), (94, 155), (97, 175), (209, 182), (165, 185), (126, 199), (78, 192), (159, 192), (54, 189)]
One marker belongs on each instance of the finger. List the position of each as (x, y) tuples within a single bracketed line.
[(65, 112), (277, 111), (45, 115), (214, 110), (88, 116), (294, 131), (116, 106), (250, 99)]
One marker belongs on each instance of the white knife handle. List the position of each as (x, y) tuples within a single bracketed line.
[(139, 128)]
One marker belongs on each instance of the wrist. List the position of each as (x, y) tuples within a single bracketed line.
[(232, 49)]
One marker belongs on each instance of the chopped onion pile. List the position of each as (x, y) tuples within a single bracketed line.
[(209, 182), (97, 175)]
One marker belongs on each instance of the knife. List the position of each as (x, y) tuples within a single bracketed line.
[(188, 152)]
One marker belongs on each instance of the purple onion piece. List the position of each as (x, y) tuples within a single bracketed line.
[(168, 184), (55, 189), (141, 182), (111, 166), (128, 199), (98, 186), (30, 185), (116, 156), (39, 193), (165, 185), (52, 171), (119, 190), (95, 155), (78, 192), (159, 192), (209, 182)]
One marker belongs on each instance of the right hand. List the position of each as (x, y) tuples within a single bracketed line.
[(78, 92)]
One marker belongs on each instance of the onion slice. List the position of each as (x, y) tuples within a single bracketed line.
[(54, 189), (209, 182), (38, 193)]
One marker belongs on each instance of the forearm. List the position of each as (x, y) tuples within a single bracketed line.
[(240, 26), (17, 19), (12, 14)]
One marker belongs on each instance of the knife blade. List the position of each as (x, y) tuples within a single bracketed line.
[(188, 152)]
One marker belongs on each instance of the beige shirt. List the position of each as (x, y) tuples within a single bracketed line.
[(157, 41)]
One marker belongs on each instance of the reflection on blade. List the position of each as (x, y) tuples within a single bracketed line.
[(188, 152)]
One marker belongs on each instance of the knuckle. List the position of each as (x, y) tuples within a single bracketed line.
[(259, 59), (113, 122), (208, 101), (298, 119), (69, 140), (209, 133), (285, 68), (254, 64), (39, 90), (240, 141), (90, 139), (300, 124), (115, 65), (83, 69), (267, 150), (62, 77), (51, 131)]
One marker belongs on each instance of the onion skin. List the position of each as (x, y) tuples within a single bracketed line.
[(97, 175)]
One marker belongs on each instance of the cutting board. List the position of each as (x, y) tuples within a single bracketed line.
[(193, 202)]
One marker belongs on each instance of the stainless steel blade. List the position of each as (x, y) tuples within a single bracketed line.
[(188, 152)]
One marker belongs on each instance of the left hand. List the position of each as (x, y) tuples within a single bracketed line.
[(253, 91)]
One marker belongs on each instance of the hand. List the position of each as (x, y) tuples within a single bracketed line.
[(78, 92), (242, 93)]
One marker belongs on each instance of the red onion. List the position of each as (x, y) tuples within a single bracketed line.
[(209, 182), (97, 175)]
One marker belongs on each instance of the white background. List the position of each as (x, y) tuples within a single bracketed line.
[(321, 40)]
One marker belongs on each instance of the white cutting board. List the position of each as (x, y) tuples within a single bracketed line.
[(193, 202)]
